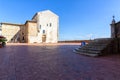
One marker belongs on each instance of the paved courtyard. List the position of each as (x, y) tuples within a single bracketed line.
[(55, 62)]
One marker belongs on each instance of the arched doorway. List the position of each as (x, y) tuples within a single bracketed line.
[(43, 38)]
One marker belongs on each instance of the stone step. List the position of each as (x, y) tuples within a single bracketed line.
[(101, 41), (95, 48), (86, 53), (105, 43), (92, 47)]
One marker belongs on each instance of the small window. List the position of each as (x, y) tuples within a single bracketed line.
[(43, 31), (40, 27), (0, 28), (50, 24)]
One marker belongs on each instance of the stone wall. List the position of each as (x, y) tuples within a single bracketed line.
[(31, 32), (11, 32), (113, 47)]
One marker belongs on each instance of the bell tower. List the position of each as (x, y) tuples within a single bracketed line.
[(113, 28)]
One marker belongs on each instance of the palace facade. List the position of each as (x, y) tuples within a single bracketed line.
[(43, 28)]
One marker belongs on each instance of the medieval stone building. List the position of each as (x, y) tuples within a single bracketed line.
[(115, 29), (43, 28), (103, 46)]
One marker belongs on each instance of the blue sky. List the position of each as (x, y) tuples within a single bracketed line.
[(79, 19)]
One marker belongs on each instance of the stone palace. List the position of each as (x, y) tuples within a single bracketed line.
[(43, 28)]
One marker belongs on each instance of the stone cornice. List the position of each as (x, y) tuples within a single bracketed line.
[(12, 24)]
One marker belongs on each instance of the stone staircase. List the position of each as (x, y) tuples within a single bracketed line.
[(96, 47)]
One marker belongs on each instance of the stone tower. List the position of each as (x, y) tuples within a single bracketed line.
[(47, 25), (113, 29)]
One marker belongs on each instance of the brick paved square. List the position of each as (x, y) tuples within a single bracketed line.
[(55, 62)]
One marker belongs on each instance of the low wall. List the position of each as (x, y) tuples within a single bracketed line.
[(74, 41), (114, 46)]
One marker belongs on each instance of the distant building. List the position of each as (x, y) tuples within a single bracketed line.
[(43, 28)]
